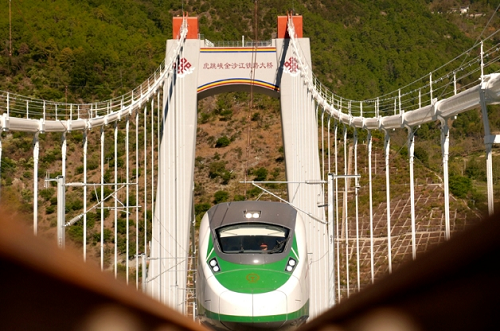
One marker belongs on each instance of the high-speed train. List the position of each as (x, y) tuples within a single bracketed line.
[(253, 270)]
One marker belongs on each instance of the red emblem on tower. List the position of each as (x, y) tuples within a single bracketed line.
[(183, 67), (291, 66)]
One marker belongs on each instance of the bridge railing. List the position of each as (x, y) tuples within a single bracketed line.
[(453, 77), (20, 106), (16, 105)]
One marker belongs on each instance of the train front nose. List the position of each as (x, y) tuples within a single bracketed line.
[(254, 311)]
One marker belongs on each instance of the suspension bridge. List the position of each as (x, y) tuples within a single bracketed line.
[(160, 172)]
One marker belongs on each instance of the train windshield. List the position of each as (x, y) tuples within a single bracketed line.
[(252, 238)]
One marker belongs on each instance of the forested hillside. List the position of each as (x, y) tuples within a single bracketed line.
[(88, 50), (94, 49)]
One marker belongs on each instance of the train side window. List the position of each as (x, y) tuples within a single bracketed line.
[(252, 238)]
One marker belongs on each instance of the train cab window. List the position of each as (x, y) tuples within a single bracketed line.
[(252, 238)]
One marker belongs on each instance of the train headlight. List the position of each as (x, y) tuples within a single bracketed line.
[(214, 265), (252, 214), (291, 264)]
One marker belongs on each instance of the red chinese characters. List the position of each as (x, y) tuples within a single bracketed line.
[(237, 65)]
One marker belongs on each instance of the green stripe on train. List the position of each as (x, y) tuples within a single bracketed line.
[(304, 311), (252, 279)]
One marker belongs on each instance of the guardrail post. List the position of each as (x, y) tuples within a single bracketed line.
[(419, 98), (430, 85), (482, 61), (455, 82), (399, 100)]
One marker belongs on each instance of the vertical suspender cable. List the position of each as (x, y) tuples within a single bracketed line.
[(329, 146), (370, 187), (445, 146), (331, 231), (356, 184), (177, 108), (161, 175), (387, 142), (153, 160), (10, 28), (85, 147), (322, 144), (36, 152), (102, 197), (411, 150), (153, 215), (63, 154), (116, 199), (346, 221), (488, 140), (137, 199), (127, 166), (145, 209), (63, 172), (337, 211)]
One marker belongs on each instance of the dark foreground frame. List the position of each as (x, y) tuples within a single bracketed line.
[(45, 288), (455, 286)]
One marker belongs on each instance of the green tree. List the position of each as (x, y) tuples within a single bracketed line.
[(460, 186), (260, 174), (221, 196), (222, 142)]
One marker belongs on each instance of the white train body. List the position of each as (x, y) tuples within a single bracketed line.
[(253, 268)]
